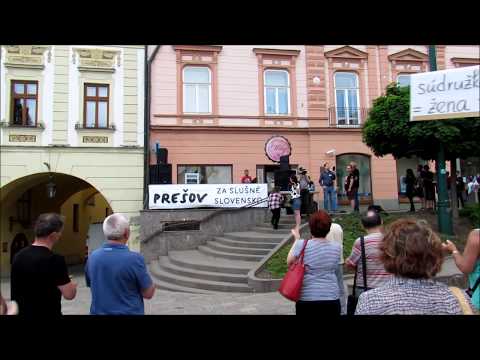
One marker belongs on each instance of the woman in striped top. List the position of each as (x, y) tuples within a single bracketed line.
[(320, 291)]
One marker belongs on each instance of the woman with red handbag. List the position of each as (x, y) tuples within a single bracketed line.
[(319, 293)]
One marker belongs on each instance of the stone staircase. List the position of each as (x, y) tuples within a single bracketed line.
[(222, 265)]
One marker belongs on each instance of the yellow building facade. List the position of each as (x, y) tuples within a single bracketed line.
[(71, 141)]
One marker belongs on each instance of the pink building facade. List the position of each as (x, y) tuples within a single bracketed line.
[(215, 107)]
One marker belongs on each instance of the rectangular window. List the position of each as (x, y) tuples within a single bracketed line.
[(403, 80), (206, 174), (76, 217), (347, 98), (96, 105), (197, 89), (277, 92), (24, 103)]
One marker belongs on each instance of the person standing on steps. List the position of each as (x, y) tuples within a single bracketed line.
[(327, 182), (275, 200), (40, 277), (348, 187), (118, 278), (469, 262), (296, 199), (303, 180), (355, 185), (410, 181), (320, 293)]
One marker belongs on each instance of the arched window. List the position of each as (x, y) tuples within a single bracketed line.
[(403, 80), (197, 90), (277, 92), (347, 98)]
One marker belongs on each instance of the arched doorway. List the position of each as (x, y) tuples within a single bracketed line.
[(82, 205), (363, 165)]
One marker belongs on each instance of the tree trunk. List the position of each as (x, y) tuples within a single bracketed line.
[(453, 188)]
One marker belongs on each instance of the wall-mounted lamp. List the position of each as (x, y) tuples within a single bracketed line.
[(51, 187)]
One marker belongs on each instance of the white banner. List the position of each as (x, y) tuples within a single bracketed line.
[(445, 94), (206, 195)]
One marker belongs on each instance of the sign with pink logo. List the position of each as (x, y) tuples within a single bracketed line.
[(277, 146)]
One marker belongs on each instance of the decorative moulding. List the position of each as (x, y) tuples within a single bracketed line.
[(79, 126), (465, 61), (209, 48), (346, 52), (408, 55), (25, 56), (96, 59), (277, 52)]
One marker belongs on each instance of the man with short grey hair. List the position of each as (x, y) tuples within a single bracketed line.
[(117, 277)]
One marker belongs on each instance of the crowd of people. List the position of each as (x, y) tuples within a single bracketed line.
[(395, 269), (423, 186)]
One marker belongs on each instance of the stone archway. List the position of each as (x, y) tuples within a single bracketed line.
[(23, 199)]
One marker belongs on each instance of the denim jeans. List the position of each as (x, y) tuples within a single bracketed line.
[(357, 201), (330, 198)]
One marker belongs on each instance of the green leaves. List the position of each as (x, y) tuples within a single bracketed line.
[(389, 131)]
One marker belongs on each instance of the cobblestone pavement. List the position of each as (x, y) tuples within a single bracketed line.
[(176, 303)]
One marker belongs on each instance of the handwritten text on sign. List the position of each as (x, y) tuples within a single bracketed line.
[(445, 94), (206, 195)]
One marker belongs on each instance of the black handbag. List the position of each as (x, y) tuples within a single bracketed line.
[(353, 299)]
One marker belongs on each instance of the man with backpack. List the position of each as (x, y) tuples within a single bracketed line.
[(327, 182)]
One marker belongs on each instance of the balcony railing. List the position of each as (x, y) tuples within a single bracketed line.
[(347, 117)]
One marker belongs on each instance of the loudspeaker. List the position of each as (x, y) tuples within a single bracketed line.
[(161, 174), (282, 177), (285, 162), (162, 156)]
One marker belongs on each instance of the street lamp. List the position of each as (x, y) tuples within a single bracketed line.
[(51, 187)]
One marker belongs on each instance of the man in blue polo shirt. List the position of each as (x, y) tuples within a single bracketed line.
[(117, 277)]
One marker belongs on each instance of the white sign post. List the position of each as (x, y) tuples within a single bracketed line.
[(184, 196), (445, 94)]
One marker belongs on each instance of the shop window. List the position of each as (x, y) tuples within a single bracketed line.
[(277, 92), (363, 165), (204, 174), (24, 103), (96, 105), (197, 90)]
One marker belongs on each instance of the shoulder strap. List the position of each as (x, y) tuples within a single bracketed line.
[(472, 289), (466, 309), (302, 253), (364, 262)]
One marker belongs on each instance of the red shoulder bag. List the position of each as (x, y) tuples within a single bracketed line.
[(292, 282)]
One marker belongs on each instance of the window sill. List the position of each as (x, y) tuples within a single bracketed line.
[(38, 127), (81, 128)]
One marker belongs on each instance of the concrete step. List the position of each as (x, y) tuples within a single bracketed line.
[(168, 266), (269, 226), (270, 230), (236, 250), (194, 259), (246, 244), (184, 281), (220, 254), (254, 236)]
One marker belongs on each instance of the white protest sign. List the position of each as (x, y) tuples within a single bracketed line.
[(445, 94), (184, 196)]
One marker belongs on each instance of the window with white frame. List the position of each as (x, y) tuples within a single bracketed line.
[(347, 98), (277, 92), (403, 80), (197, 90)]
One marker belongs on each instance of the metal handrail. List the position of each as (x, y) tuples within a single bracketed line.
[(361, 116)]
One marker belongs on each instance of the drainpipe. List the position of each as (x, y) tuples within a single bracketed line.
[(146, 142)]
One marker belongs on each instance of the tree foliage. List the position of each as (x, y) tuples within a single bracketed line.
[(389, 131)]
